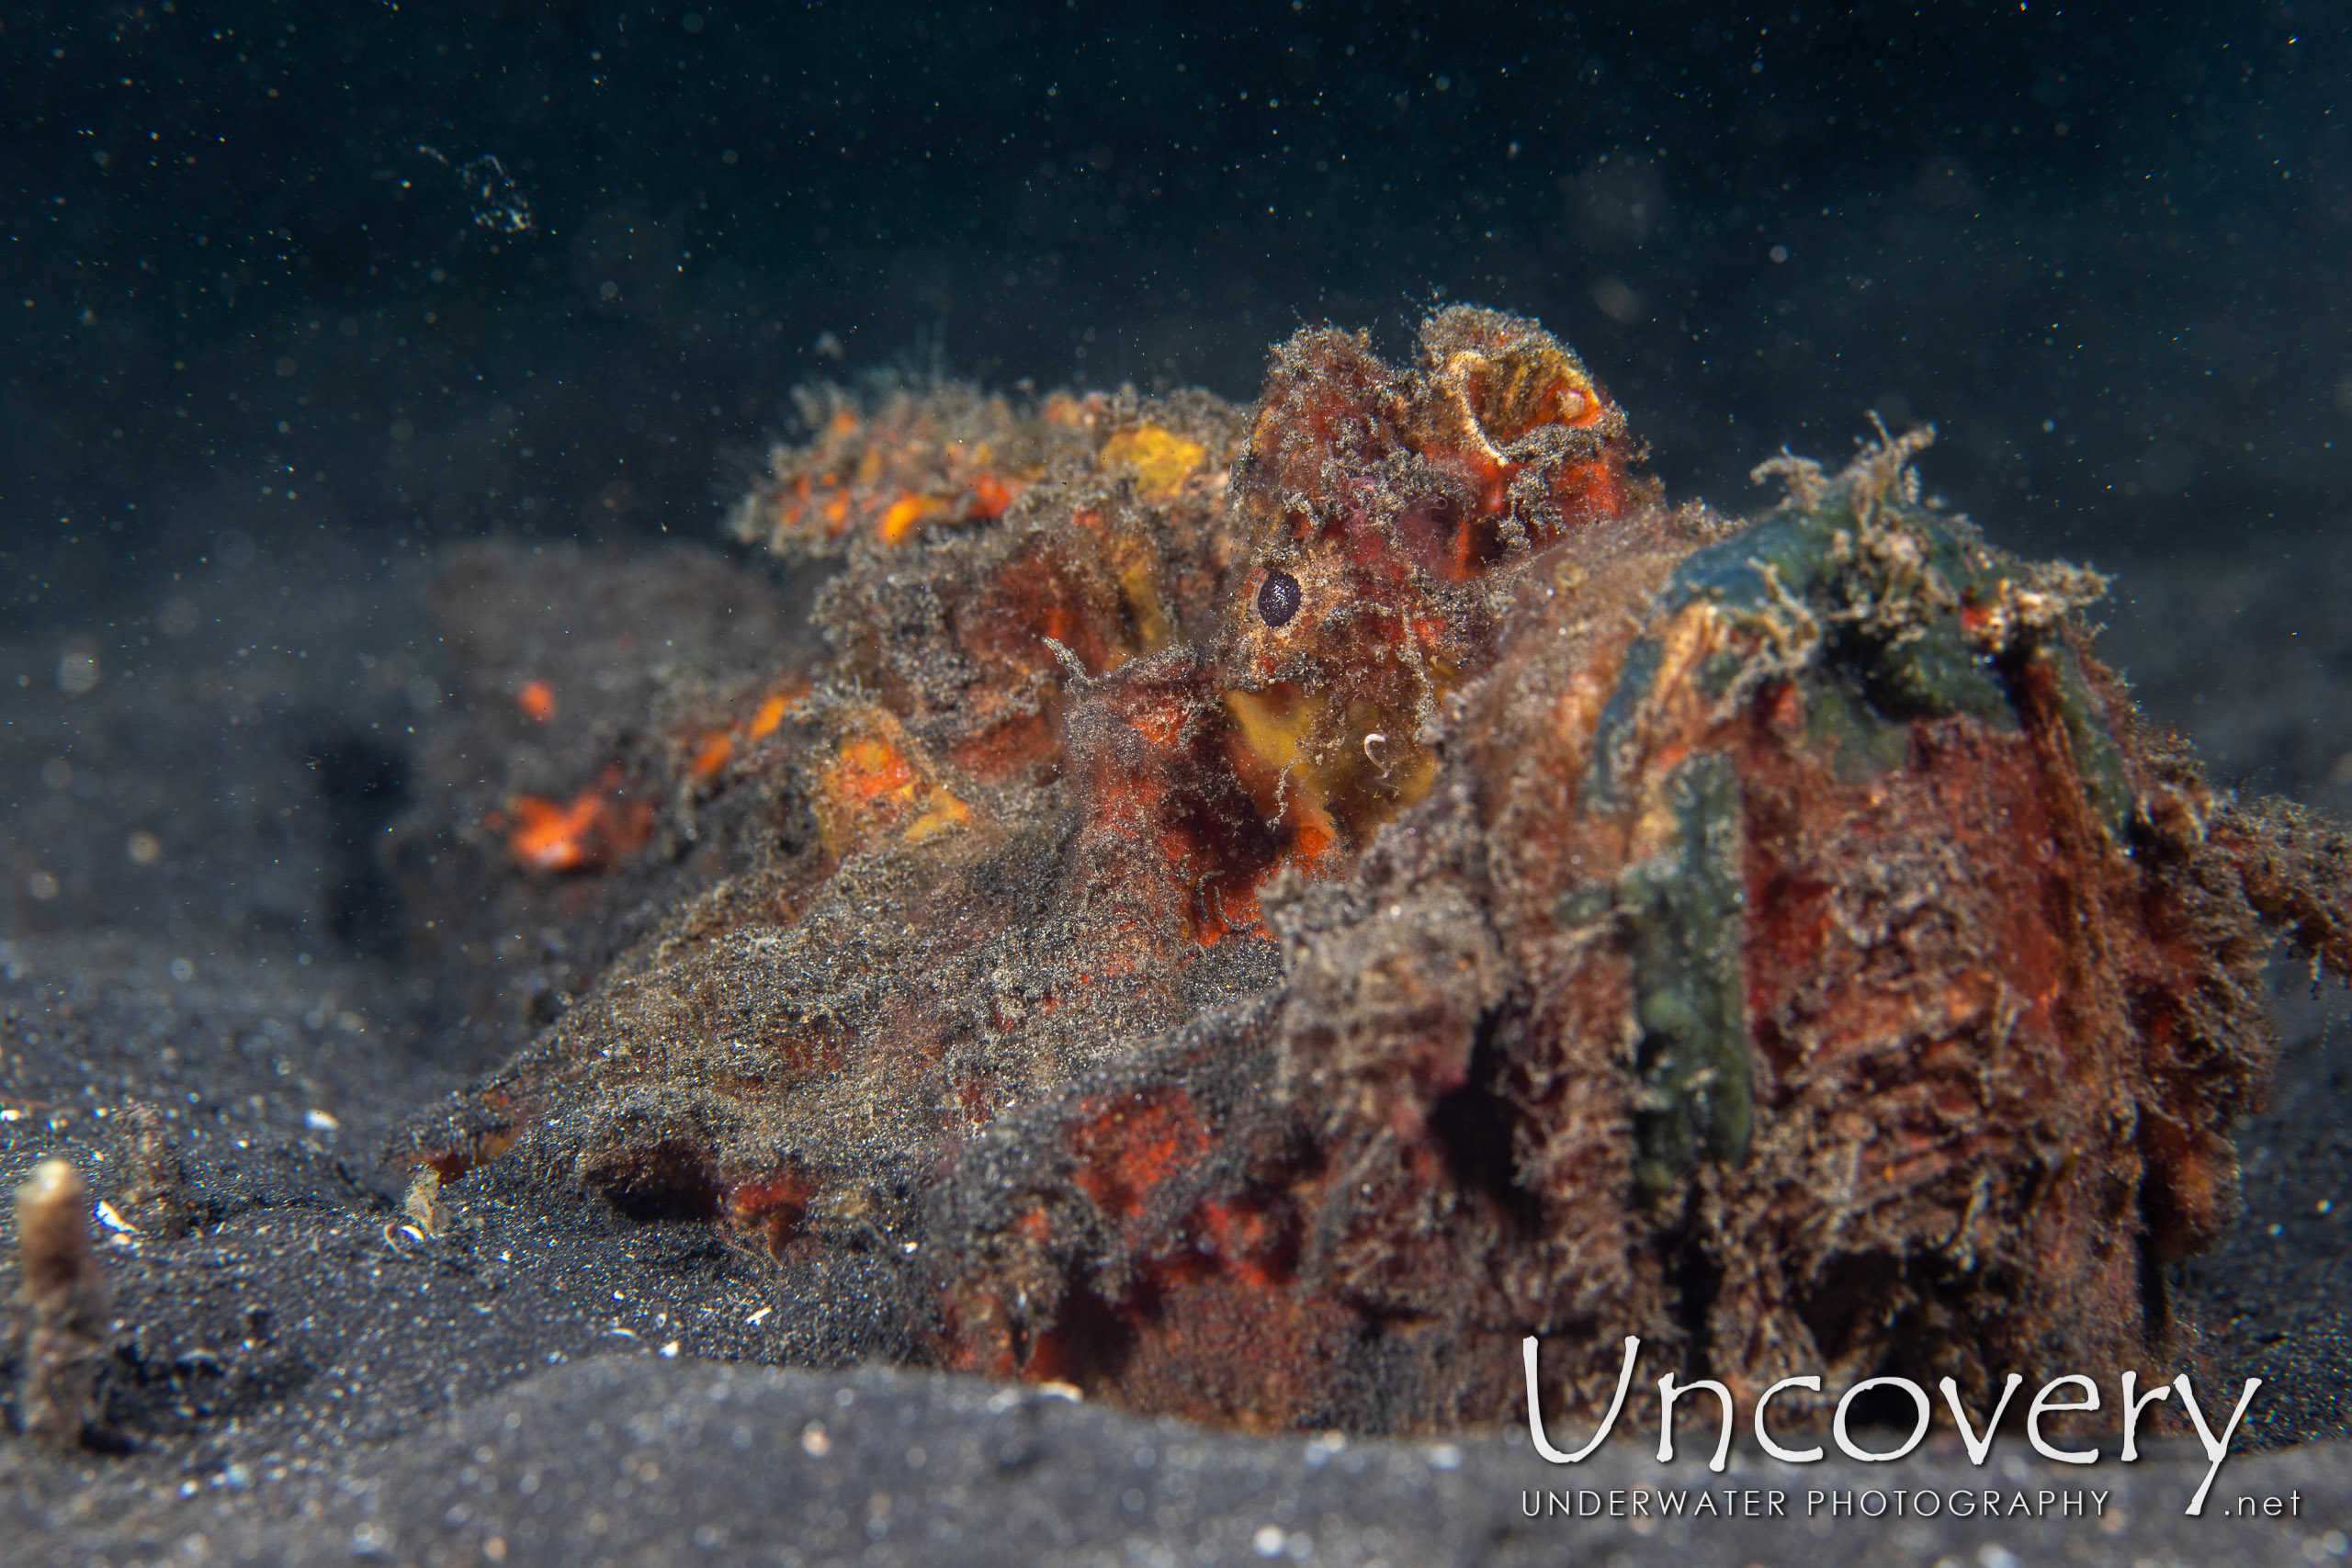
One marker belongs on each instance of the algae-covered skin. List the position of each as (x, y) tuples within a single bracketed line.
[(1252, 913)]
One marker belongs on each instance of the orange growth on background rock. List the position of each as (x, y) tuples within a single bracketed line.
[(535, 701), (712, 752), (591, 832)]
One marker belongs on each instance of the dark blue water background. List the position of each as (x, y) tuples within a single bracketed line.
[(267, 271)]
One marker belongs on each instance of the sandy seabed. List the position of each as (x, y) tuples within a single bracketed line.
[(299, 1377)]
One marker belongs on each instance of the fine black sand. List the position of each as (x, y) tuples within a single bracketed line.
[(304, 1376)]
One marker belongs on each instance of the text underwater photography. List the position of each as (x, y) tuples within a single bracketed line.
[(1326, 782)]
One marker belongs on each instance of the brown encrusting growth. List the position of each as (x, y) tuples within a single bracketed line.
[(2297, 870), (1252, 914), (64, 1305)]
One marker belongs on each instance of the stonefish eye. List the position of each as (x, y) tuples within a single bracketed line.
[(1278, 598)]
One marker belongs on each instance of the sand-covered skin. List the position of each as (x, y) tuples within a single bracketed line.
[(1366, 880)]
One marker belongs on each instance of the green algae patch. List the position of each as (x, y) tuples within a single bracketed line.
[(1685, 914), (1874, 613), (1881, 611), (2097, 757), (1841, 721)]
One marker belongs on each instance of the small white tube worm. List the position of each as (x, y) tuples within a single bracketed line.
[(65, 1292)]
